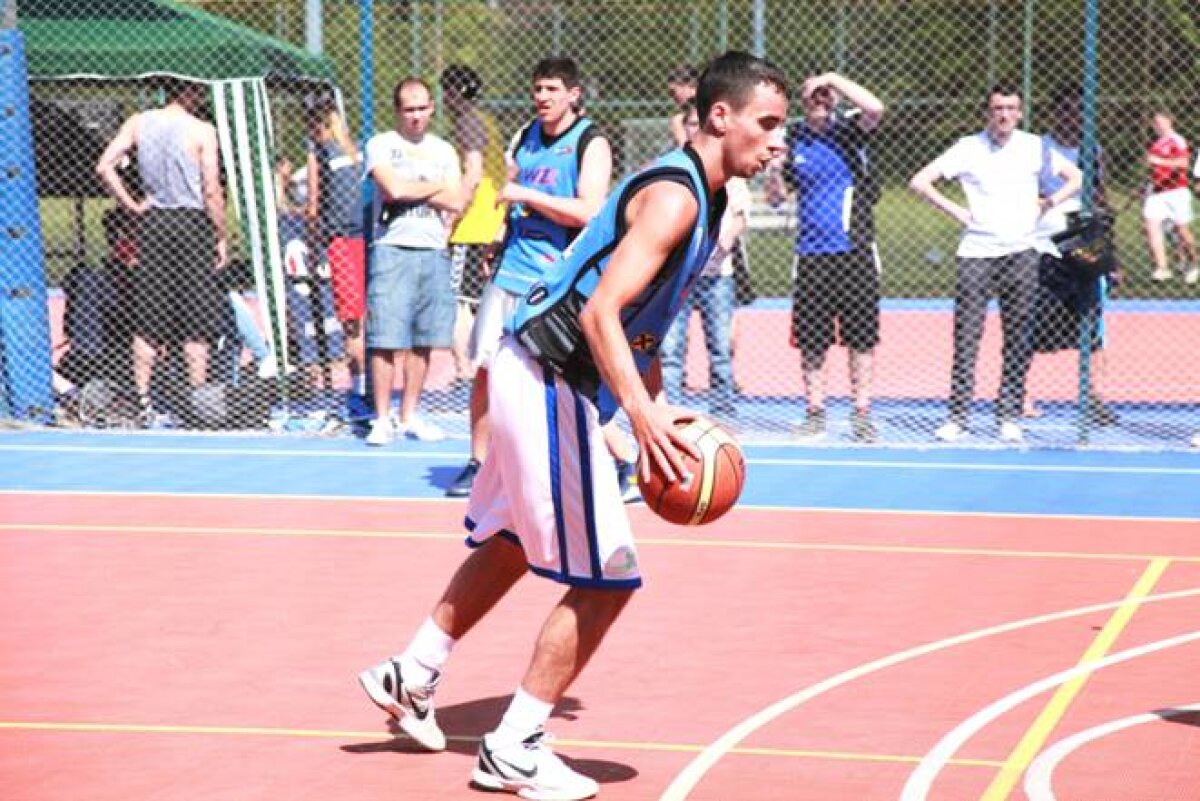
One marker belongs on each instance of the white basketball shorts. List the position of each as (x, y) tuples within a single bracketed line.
[(1174, 205), (496, 306), (548, 482)]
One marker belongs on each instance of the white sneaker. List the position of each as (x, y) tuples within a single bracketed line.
[(1161, 274), (1196, 441), (381, 432), (412, 707), (1011, 432), (950, 431), (530, 770), (417, 428), (1192, 275)]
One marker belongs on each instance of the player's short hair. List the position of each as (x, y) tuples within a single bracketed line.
[(404, 83), (1004, 89), (683, 75), (560, 67), (462, 79), (732, 77)]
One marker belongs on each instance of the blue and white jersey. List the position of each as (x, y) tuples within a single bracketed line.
[(546, 321), (548, 164)]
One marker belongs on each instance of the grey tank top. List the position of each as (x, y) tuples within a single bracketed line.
[(171, 177)]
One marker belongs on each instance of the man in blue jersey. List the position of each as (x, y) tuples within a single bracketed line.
[(562, 165), (584, 343), (836, 271)]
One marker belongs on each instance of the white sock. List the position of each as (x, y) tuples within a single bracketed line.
[(525, 715), (427, 654), (358, 384)]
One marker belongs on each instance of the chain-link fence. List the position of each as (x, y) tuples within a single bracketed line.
[(929, 63)]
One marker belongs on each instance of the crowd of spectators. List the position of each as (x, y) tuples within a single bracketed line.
[(461, 227)]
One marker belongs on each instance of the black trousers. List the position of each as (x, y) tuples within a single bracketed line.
[(1013, 278)]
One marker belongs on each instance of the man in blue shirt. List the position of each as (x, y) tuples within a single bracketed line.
[(836, 271), (561, 164)]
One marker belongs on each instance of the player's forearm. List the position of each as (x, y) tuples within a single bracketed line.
[(573, 212)]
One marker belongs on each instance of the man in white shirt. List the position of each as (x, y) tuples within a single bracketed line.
[(998, 169), (410, 298)]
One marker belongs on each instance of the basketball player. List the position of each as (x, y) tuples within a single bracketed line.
[(583, 343)]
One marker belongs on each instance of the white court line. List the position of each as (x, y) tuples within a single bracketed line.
[(694, 772), (1038, 777), (922, 778), (876, 464)]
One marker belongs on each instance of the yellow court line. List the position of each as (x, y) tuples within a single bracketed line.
[(933, 550), (1037, 734), (617, 745), (752, 507)]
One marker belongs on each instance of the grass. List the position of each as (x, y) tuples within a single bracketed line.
[(916, 244)]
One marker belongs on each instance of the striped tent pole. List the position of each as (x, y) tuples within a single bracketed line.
[(244, 131)]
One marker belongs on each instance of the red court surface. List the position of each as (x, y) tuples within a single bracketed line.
[(206, 648)]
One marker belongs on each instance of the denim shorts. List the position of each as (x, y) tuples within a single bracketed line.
[(410, 299)]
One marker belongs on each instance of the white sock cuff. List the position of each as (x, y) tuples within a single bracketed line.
[(525, 715), (430, 649)]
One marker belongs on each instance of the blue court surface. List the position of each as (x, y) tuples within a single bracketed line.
[(1085, 482)]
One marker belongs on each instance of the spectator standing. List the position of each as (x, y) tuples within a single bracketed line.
[(999, 171), (713, 296), (477, 139), (182, 244), (563, 165), (836, 268), (410, 300), (586, 344), (1169, 199), (334, 217), (1056, 324), (681, 86)]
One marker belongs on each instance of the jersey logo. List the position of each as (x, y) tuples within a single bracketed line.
[(644, 342), (537, 294), (564, 150)]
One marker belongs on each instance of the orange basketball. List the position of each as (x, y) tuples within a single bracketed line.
[(714, 485)]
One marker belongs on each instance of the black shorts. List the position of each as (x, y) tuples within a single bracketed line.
[(179, 294), (466, 270), (835, 289)]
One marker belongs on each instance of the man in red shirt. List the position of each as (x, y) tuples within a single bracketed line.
[(1169, 198)]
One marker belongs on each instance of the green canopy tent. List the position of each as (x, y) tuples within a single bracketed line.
[(137, 40)]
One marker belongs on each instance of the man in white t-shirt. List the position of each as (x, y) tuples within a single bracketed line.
[(998, 169), (410, 297)]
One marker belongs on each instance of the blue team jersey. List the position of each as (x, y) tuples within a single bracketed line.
[(546, 321), (550, 165), (833, 200)]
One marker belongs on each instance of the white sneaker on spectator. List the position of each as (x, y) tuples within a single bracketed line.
[(381, 432), (1161, 274), (1196, 441), (950, 431), (530, 770), (1192, 275), (1011, 432), (416, 428), (268, 367)]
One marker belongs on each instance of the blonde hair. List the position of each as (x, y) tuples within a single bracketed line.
[(324, 113)]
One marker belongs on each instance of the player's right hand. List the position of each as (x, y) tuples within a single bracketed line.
[(655, 427)]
